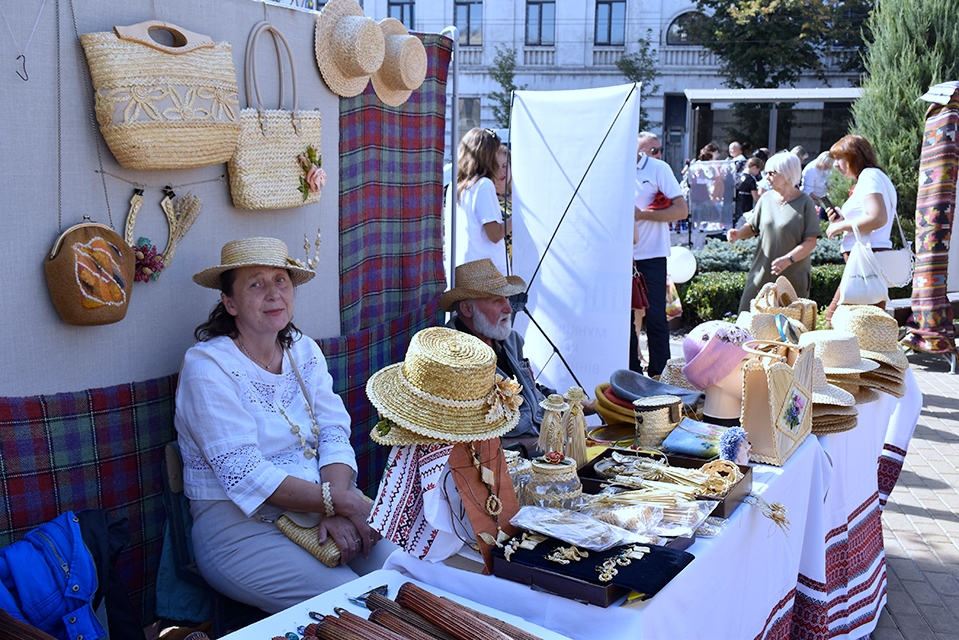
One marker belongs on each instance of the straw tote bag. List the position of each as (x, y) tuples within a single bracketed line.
[(266, 170), (781, 297), (777, 399), (163, 107)]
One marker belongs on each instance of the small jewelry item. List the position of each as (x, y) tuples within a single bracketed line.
[(249, 355), (530, 540), (328, 500)]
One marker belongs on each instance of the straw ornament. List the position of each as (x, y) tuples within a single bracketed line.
[(551, 431), (404, 64), (574, 426), (349, 47), (254, 252)]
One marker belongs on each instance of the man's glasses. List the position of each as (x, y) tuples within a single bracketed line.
[(655, 151)]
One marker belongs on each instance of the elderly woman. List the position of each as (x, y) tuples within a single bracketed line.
[(871, 206), (262, 434), (787, 225)]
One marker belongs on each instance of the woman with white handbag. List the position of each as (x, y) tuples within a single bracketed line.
[(871, 206)]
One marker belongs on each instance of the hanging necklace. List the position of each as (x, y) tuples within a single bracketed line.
[(249, 355), (22, 58), (493, 506), (308, 451)]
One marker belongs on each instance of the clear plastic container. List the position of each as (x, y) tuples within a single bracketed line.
[(554, 485)]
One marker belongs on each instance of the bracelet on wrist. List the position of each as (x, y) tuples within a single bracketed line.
[(328, 500), (791, 259)]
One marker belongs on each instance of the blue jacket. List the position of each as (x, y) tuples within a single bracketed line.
[(48, 580)]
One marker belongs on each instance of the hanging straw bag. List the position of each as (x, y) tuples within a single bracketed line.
[(163, 107), (897, 264), (656, 417), (781, 297), (777, 399), (269, 169)]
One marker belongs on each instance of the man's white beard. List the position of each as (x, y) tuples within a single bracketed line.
[(498, 331)]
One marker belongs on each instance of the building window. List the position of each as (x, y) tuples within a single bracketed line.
[(540, 22), (469, 115), (402, 10), (610, 22), (468, 18), (678, 32)]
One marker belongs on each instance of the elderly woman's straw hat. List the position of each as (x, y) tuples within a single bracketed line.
[(446, 389), (480, 279), (878, 333), (349, 47), (404, 65), (254, 252), (839, 351)]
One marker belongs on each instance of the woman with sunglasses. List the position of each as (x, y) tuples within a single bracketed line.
[(787, 225)]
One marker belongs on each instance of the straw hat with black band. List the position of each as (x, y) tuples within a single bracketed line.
[(404, 65), (349, 47), (254, 252), (480, 279), (445, 390)]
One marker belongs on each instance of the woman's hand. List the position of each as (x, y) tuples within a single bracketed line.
[(345, 535), (354, 508), (780, 264), (734, 234), (835, 228)]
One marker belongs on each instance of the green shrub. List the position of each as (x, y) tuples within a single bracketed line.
[(825, 281), (710, 296), (719, 255)]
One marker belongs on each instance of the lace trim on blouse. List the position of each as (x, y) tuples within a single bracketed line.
[(232, 467)]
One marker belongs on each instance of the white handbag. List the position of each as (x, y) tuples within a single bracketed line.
[(897, 264)]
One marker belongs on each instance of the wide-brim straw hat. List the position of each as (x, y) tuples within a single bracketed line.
[(349, 47), (399, 437), (673, 375), (882, 383), (446, 389), (404, 64), (837, 424), (254, 252), (878, 333), (839, 351), (824, 393), (762, 326), (480, 279), (863, 395), (831, 411)]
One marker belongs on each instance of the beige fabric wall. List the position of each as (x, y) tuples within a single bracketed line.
[(38, 352)]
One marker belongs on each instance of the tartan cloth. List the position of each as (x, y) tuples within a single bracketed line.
[(93, 449), (930, 329), (391, 202), (352, 360)]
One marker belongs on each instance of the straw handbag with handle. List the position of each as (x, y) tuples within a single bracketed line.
[(163, 107), (266, 170), (656, 417), (327, 553), (781, 297), (777, 399)]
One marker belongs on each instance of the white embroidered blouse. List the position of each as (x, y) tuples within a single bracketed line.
[(235, 443)]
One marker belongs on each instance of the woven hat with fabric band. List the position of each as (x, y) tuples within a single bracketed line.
[(254, 252), (878, 333), (839, 351), (480, 279), (404, 65), (826, 394), (447, 389), (349, 47)]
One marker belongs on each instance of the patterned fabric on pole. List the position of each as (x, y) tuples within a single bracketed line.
[(391, 201), (931, 328)]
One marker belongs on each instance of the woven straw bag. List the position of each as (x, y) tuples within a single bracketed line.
[(327, 553), (780, 297), (777, 399), (163, 107), (656, 417), (265, 171)]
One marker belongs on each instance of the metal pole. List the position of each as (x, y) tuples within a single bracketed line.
[(453, 33), (773, 123)]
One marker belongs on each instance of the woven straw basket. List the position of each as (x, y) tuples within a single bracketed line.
[(327, 553), (656, 417), (265, 171), (164, 107)]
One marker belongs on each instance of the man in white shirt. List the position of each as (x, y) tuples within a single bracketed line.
[(651, 246), (736, 156)]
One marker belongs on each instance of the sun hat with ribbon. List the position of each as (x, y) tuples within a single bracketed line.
[(825, 393), (839, 351), (766, 326), (878, 333), (254, 252), (713, 350), (349, 47), (480, 279), (446, 389), (404, 65)]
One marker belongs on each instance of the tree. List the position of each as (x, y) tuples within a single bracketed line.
[(641, 67), (914, 45), (503, 72)]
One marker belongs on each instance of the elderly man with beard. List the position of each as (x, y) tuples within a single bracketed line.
[(481, 304)]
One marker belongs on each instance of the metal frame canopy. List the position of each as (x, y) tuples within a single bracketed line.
[(773, 96)]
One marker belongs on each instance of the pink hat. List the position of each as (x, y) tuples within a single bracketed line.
[(713, 350)]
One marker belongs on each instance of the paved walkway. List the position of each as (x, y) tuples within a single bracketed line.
[(921, 521)]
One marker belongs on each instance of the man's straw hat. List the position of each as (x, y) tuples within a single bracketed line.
[(446, 389), (839, 351), (404, 64), (254, 252), (878, 333), (480, 279), (349, 47)]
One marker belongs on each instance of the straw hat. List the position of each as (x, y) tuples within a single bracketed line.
[(446, 389), (834, 424), (863, 395), (825, 393), (878, 333), (673, 375), (762, 326), (831, 411), (839, 351), (349, 47), (390, 434), (254, 252), (480, 279), (554, 402), (882, 383), (404, 65)]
